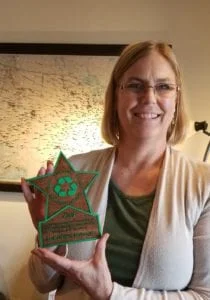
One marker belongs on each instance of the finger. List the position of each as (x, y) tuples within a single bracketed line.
[(41, 171), (50, 167), (101, 247), (26, 191)]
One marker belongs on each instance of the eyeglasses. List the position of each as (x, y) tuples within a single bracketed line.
[(163, 90)]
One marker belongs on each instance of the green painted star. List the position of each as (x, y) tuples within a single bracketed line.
[(65, 186)]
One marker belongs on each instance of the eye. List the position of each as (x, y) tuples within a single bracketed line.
[(165, 87), (135, 86)]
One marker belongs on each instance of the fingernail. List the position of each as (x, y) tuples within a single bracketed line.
[(107, 235), (36, 252), (49, 162)]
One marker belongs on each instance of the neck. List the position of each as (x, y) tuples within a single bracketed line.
[(140, 154)]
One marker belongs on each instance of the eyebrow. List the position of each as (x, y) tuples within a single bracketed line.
[(166, 79)]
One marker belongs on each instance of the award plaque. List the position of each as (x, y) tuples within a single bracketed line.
[(69, 217)]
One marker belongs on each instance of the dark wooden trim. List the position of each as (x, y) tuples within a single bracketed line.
[(10, 187), (62, 49)]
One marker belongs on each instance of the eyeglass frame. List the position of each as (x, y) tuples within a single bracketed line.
[(145, 86)]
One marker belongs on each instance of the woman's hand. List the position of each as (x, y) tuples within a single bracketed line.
[(36, 201), (92, 275)]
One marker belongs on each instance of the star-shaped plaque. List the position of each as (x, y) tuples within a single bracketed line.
[(68, 214)]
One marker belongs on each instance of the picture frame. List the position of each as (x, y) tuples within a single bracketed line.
[(18, 91)]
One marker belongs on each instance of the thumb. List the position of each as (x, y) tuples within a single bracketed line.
[(101, 247), (26, 191)]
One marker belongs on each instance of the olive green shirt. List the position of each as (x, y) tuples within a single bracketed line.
[(126, 220)]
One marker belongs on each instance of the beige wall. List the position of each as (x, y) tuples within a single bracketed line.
[(185, 24), (17, 239)]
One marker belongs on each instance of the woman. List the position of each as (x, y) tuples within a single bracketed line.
[(153, 202)]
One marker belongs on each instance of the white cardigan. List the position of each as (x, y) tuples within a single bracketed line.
[(175, 259)]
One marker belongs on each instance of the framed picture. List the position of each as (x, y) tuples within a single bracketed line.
[(51, 99)]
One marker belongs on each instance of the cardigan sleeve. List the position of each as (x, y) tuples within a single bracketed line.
[(199, 286), (44, 278)]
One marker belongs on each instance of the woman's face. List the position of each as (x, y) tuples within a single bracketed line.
[(143, 113)]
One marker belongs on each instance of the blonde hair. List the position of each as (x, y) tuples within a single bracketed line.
[(110, 124)]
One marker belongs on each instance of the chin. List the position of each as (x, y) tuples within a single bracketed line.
[(147, 135)]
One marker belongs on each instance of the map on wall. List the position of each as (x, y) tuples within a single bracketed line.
[(49, 103)]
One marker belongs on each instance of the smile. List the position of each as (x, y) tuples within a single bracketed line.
[(147, 115)]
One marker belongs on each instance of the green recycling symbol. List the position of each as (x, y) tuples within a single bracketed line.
[(65, 187)]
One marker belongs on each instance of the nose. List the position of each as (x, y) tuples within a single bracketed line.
[(149, 95)]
